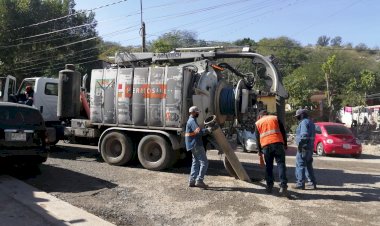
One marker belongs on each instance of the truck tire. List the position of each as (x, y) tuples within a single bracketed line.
[(116, 149), (155, 153)]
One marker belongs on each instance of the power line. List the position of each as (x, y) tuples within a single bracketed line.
[(47, 66), (255, 16), (329, 16), (216, 18), (57, 31), (175, 15), (51, 57), (186, 13), (66, 57), (71, 28), (63, 17)]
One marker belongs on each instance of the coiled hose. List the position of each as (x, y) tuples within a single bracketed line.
[(227, 101)]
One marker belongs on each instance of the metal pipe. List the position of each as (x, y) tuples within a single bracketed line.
[(226, 148)]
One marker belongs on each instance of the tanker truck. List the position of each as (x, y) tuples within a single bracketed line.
[(140, 106)]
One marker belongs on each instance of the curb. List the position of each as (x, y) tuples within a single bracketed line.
[(48, 207)]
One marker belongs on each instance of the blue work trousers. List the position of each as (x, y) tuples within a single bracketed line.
[(304, 167), (199, 165)]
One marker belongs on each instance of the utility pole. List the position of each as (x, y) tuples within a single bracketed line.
[(142, 29)]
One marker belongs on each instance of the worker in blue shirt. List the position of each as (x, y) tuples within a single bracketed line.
[(193, 140), (305, 134)]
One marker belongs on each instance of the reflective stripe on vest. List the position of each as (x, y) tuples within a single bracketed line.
[(269, 130)]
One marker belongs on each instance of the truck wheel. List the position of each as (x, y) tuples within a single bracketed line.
[(229, 168), (116, 149), (155, 153)]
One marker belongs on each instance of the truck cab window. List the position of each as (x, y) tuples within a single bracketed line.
[(24, 84), (51, 89)]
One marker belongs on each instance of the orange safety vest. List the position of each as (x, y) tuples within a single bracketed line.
[(269, 130)]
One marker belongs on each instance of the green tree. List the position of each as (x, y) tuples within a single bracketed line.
[(174, 39), (245, 42), (327, 69), (359, 86), (361, 47), (108, 49), (29, 46), (336, 42), (323, 40), (289, 53)]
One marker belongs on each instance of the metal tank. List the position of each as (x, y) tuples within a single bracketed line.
[(68, 105), (96, 96), (108, 87), (124, 96), (155, 94), (173, 105), (140, 81)]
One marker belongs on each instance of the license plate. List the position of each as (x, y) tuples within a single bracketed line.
[(16, 137), (347, 146)]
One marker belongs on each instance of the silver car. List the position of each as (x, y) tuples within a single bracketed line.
[(247, 139)]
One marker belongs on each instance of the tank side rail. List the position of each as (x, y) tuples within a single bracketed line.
[(154, 128), (173, 138), (153, 57), (81, 132)]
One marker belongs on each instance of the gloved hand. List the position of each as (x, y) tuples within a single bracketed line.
[(208, 130)]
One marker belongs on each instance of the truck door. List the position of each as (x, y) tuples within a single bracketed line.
[(46, 97), (7, 87)]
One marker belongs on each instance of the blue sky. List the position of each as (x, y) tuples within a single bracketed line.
[(356, 21)]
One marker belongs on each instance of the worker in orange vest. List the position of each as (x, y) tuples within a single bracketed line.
[(271, 141)]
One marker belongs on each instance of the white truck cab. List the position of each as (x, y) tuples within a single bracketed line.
[(45, 96), (45, 100)]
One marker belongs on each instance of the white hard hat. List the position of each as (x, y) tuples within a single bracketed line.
[(193, 109)]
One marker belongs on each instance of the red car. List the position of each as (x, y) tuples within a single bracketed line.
[(335, 138)]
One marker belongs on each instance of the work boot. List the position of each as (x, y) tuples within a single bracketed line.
[(201, 184), (311, 186), (269, 188), (191, 184), (283, 191), (298, 187)]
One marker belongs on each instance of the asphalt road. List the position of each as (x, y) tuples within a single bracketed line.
[(348, 191)]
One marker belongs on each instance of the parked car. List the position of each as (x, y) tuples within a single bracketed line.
[(22, 134), (335, 138), (247, 139)]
